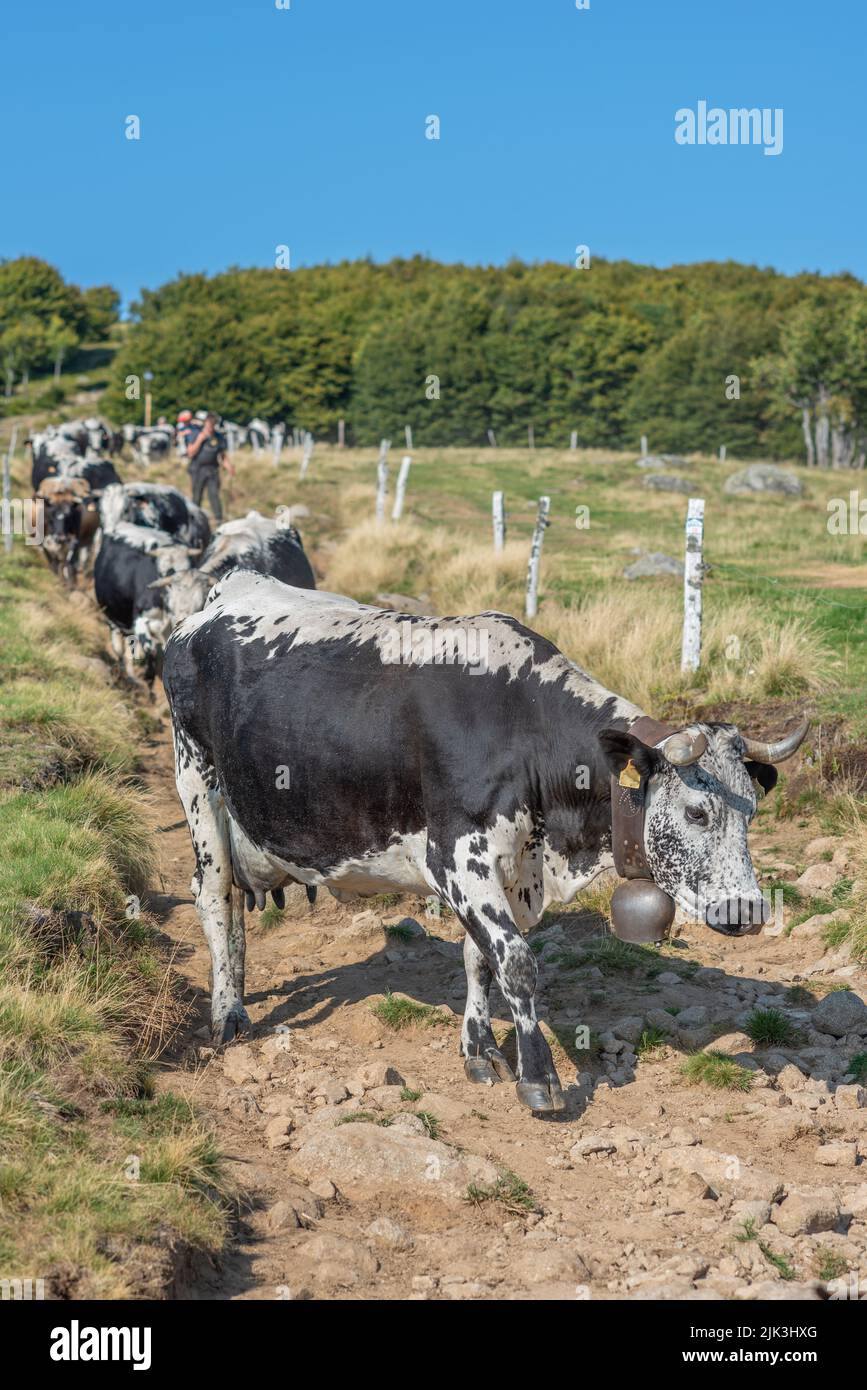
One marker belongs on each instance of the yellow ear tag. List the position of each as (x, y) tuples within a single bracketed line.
[(630, 776)]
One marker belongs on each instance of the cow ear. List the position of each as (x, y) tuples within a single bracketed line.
[(762, 775), (627, 756)]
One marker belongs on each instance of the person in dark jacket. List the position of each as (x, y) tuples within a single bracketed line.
[(206, 452)]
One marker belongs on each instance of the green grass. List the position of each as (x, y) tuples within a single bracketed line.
[(612, 956), (87, 995), (431, 1124), (397, 1013), (509, 1191), (829, 1264), (716, 1070), (771, 1028), (858, 1068), (397, 932), (650, 1044), (777, 1262), (408, 1094)]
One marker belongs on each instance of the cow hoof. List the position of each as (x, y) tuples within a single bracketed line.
[(235, 1023), (542, 1097), (490, 1068)]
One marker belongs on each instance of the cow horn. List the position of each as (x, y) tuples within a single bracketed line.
[(194, 550), (684, 748), (161, 583), (781, 749)]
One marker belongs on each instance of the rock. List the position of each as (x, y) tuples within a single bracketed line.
[(806, 1213), (445, 1108), (693, 1017), (759, 1213), (365, 1160), (764, 477), (324, 1188), (592, 1144), (239, 1064), (790, 1078), (850, 1097), (731, 1043), (653, 563), (818, 848), (408, 924), (389, 1234), (839, 1013), (779, 1291), (661, 1019), (837, 1155), (332, 1091), (379, 1073), (365, 924), (667, 482), (682, 1137), (281, 1216), (384, 1096), (723, 1172), (555, 1263), (630, 1029), (338, 1260), (818, 878), (668, 977), (278, 1130), (661, 461), (241, 1103), (407, 1123), (815, 925)]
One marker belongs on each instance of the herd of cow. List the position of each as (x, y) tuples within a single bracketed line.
[(306, 754), (148, 548)]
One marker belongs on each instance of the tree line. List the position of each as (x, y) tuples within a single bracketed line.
[(691, 356), (43, 319)]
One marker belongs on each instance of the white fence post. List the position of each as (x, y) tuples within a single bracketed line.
[(407, 429), (276, 446), (722, 453), (535, 557), (492, 439), (381, 484), (531, 438), (306, 455), (644, 446), (499, 510), (693, 573), (341, 434), (400, 487), (7, 497), (573, 441)]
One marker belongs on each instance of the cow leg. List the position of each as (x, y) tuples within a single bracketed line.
[(220, 910), (483, 1060)]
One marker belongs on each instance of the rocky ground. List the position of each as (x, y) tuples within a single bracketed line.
[(372, 1169)]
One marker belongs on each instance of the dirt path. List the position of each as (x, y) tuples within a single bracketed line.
[(643, 1187)]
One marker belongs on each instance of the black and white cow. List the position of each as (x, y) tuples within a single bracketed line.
[(157, 505), (324, 742), (149, 442), (253, 542), (51, 453), (131, 562)]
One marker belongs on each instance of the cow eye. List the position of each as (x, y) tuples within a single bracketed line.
[(696, 815)]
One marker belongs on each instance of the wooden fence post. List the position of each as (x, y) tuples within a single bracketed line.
[(306, 455), (492, 439), (499, 511), (341, 434), (407, 429), (535, 557), (573, 442), (400, 487), (531, 438), (7, 495), (381, 484), (693, 573)]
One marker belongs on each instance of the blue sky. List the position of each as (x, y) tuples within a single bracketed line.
[(306, 127)]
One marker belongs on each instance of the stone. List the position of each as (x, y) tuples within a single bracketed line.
[(338, 1260), (764, 477), (790, 1078), (806, 1213), (408, 924), (366, 1159), (278, 1131), (731, 1043), (839, 1013), (850, 1097), (239, 1064), (379, 1073), (836, 1155), (723, 1172), (332, 1091), (389, 1234), (818, 878), (667, 482), (630, 1029), (592, 1144), (650, 564), (815, 925), (668, 977), (693, 1017)]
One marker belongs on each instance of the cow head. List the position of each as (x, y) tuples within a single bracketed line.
[(701, 787), (184, 593)]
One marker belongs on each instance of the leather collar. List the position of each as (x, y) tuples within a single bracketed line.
[(628, 806)]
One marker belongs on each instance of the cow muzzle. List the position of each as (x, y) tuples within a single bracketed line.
[(737, 916)]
